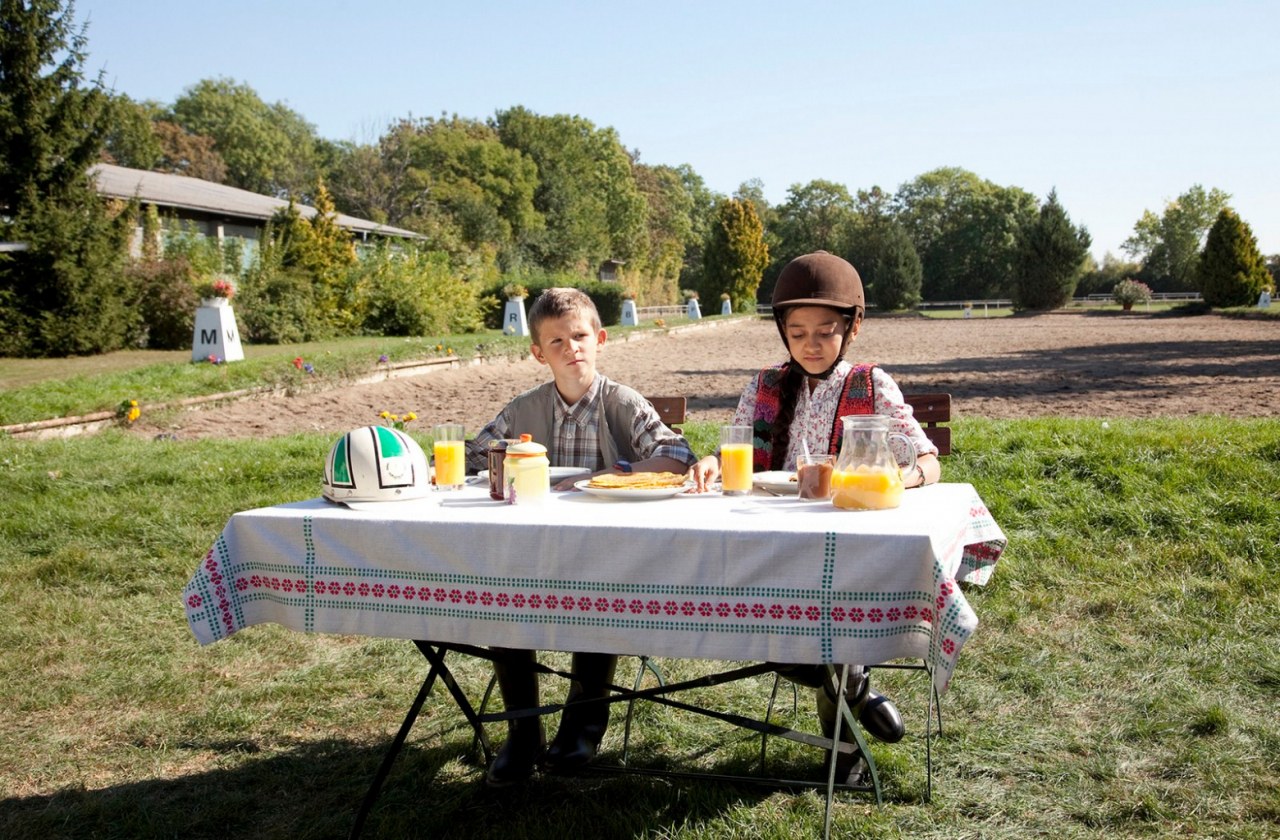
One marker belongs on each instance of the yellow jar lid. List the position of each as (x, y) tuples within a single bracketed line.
[(526, 448)]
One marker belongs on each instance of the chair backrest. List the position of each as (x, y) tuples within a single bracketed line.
[(671, 410), (930, 410)]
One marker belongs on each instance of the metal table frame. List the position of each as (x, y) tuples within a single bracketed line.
[(435, 654)]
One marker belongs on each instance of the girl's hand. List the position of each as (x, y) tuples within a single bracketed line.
[(704, 473)]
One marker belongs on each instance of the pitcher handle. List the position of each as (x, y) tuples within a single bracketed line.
[(910, 449)]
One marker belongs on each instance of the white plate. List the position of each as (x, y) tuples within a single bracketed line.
[(632, 494), (558, 474), (776, 481)]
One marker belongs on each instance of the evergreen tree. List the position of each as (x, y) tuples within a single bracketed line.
[(735, 256), (1232, 271), (1050, 258), (889, 266), (63, 294)]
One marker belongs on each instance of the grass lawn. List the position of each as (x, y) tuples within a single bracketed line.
[(1123, 682)]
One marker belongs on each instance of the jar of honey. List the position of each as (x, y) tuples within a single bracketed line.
[(526, 472)]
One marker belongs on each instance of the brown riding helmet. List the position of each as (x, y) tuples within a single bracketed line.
[(820, 279)]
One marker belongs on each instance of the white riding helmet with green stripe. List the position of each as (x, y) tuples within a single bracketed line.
[(373, 465)]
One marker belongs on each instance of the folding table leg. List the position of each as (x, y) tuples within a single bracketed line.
[(375, 788)]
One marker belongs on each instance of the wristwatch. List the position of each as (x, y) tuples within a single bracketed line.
[(622, 466)]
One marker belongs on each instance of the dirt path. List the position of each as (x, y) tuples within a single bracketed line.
[(1061, 364)]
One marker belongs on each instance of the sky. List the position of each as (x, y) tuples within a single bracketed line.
[(1120, 106)]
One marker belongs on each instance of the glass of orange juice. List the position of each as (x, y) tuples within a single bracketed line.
[(735, 460), (449, 449)]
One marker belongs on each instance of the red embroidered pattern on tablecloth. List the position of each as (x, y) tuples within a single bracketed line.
[(520, 601)]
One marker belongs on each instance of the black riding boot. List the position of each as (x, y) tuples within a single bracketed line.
[(518, 683), (582, 727), (875, 712)]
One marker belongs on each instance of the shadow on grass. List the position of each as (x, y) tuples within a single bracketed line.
[(313, 791)]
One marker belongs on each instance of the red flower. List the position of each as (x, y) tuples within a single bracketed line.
[(297, 362), (837, 613), (812, 613)]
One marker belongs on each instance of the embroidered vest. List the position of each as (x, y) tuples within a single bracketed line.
[(857, 396)]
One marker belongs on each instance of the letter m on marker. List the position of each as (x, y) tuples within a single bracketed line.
[(209, 336)]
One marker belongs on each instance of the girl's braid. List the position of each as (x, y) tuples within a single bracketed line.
[(780, 433)]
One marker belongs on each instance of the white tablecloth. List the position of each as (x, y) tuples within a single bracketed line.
[(694, 576)]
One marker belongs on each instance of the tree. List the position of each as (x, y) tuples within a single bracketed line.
[(184, 153), (1097, 280), (888, 264), (586, 191), (64, 294), (1169, 245), (268, 149), (130, 140), (669, 225), (460, 174), (1051, 255), (702, 218), (965, 230), (1231, 270), (736, 255)]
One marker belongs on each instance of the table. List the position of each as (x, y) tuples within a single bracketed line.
[(695, 576), (763, 579)]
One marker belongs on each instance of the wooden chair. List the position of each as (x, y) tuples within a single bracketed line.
[(671, 410), (930, 410)]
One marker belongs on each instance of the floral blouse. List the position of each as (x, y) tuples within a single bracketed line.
[(815, 417)]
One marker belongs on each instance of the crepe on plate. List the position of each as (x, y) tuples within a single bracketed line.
[(637, 481)]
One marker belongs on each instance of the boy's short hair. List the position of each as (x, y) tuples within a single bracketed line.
[(557, 302)]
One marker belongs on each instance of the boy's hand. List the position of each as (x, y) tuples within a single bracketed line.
[(704, 473)]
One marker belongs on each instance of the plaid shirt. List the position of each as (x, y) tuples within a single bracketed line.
[(576, 435)]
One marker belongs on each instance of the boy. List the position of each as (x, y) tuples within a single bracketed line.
[(585, 420)]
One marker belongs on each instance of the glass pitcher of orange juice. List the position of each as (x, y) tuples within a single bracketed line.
[(867, 476)]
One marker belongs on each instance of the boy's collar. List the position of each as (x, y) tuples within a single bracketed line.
[(586, 399)]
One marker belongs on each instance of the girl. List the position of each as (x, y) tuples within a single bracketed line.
[(818, 306)]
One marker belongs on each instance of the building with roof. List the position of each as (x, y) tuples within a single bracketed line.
[(216, 210)]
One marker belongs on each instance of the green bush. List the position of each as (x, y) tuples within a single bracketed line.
[(1130, 292), (167, 302), (412, 292), (277, 306), (606, 296)]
